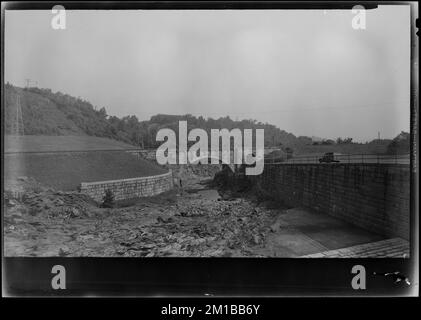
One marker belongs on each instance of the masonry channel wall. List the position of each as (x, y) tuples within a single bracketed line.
[(375, 197), (129, 188)]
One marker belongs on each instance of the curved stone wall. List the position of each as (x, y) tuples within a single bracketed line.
[(129, 188)]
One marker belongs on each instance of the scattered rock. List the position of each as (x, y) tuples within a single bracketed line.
[(192, 225), (11, 203), (63, 251), (74, 213), (256, 239)]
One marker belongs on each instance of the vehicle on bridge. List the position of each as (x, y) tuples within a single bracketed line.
[(328, 157), (274, 156)]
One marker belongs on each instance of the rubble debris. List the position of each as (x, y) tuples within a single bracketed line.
[(44, 222)]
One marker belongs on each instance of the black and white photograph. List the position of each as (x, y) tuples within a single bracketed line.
[(185, 133)]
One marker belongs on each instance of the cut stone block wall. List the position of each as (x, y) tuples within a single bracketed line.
[(129, 188), (375, 197)]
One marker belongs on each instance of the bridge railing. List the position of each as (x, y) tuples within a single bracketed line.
[(342, 158)]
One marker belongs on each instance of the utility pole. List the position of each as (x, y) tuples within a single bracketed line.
[(17, 123), (28, 81), (378, 135)]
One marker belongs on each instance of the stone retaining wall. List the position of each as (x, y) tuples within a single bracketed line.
[(129, 188)]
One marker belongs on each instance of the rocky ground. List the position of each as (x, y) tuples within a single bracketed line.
[(193, 220)]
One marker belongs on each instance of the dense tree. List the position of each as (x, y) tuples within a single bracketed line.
[(400, 144)]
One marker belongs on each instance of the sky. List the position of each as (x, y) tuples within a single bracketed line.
[(306, 71)]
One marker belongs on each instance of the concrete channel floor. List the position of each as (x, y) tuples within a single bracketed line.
[(298, 232), (390, 248)]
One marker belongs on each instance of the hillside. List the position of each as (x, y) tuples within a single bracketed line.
[(48, 113), (56, 114)]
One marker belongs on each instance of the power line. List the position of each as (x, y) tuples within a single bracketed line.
[(17, 123)]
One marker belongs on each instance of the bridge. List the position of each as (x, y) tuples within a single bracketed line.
[(344, 158), (401, 159), (150, 154)]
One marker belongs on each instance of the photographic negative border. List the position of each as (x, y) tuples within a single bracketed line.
[(199, 277)]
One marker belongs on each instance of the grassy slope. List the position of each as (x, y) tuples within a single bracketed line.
[(61, 143), (65, 171)]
